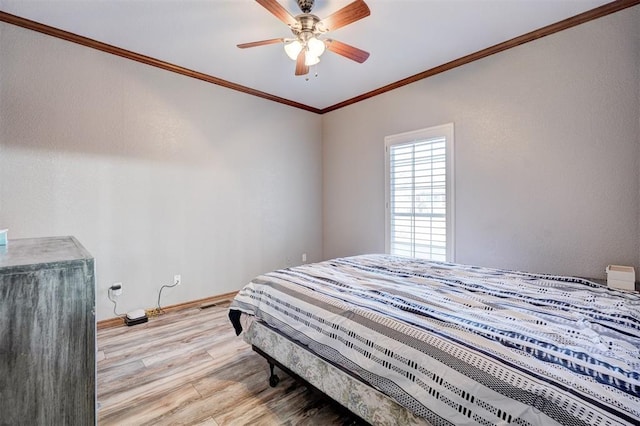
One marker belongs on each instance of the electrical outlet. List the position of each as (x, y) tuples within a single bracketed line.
[(116, 289), (177, 279), (304, 257)]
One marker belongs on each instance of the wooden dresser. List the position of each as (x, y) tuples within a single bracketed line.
[(47, 333)]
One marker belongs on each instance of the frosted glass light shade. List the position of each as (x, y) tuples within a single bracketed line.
[(310, 59), (315, 46), (293, 49)]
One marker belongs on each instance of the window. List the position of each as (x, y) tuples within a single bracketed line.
[(419, 193)]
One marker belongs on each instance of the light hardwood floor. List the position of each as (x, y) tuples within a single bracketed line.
[(189, 368)]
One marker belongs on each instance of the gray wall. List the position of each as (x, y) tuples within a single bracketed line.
[(547, 153), (155, 173), (158, 174)]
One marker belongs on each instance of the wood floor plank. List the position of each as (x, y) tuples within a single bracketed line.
[(119, 377), (147, 382), (190, 368), (137, 337), (150, 411), (229, 401), (207, 422)]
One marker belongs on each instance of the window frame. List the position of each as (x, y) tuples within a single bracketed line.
[(446, 131)]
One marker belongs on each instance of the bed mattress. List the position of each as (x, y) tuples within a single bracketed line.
[(458, 344)]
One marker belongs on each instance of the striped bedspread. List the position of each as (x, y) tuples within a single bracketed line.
[(461, 344)]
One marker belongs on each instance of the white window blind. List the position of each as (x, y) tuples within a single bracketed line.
[(420, 193)]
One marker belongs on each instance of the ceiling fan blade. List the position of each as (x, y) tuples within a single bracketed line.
[(278, 11), (348, 14), (261, 43), (301, 67), (346, 50)]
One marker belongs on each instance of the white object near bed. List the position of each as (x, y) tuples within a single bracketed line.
[(621, 277)]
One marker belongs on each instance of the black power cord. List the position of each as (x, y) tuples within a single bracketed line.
[(110, 292)]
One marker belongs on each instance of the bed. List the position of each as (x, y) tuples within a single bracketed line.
[(408, 341)]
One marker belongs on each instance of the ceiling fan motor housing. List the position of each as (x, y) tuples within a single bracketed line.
[(305, 5), (307, 26)]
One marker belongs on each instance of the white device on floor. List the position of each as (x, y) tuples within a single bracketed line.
[(137, 316)]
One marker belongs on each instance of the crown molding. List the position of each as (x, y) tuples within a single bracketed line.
[(582, 18), (587, 16), (147, 60)]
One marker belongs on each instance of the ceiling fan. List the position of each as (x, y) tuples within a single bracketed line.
[(307, 45)]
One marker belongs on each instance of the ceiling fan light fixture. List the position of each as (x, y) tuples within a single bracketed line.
[(293, 49), (316, 46), (310, 59)]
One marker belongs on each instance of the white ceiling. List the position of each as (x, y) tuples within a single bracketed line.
[(404, 37)]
